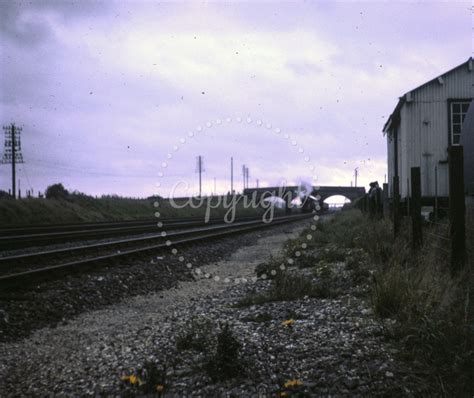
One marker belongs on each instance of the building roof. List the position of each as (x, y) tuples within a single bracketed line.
[(394, 118)]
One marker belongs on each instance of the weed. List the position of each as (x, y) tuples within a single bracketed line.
[(154, 377), (332, 253), (196, 335), (149, 379), (306, 260), (391, 292), (427, 303), (226, 362), (323, 271), (288, 287), (271, 268)]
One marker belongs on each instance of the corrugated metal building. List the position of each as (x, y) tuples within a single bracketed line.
[(425, 122), (467, 141)]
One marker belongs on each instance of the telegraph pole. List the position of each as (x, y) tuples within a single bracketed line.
[(200, 178), (243, 173), (12, 152), (13, 161), (257, 183), (247, 176), (356, 173), (232, 175), (199, 169)]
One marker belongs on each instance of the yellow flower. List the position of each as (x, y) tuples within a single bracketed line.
[(288, 323), (293, 383), (160, 387), (132, 379), (283, 394)]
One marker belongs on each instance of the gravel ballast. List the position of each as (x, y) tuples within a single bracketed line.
[(334, 347)]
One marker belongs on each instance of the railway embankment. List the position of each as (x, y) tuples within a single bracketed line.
[(338, 310), (77, 207)]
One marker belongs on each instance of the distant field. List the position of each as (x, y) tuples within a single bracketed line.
[(79, 208)]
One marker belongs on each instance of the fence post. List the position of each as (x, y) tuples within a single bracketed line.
[(417, 237), (408, 198), (457, 207), (385, 199), (436, 195), (364, 203), (396, 206)]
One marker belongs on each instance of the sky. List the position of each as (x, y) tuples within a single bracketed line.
[(120, 97)]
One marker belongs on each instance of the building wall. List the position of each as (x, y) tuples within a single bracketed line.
[(396, 135), (467, 141), (390, 161), (424, 131), (425, 145)]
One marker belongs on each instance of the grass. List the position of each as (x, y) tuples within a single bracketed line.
[(78, 207), (391, 292), (221, 350), (349, 230), (429, 306), (416, 290), (289, 287)]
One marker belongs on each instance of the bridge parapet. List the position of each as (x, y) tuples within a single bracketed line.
[(350, 193), (324, 192)]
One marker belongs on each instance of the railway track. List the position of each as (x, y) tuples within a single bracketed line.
[(41, 235), (49, 263)]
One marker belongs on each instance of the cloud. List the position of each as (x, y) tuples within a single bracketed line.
[(31, 23), (105, 90)]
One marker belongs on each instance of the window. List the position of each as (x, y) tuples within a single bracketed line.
[(458, 112)]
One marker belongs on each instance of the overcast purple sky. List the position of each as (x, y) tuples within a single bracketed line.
[(105, 91)]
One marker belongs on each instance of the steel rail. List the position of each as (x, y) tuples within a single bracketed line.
[(45, 238), (44, 228), (215, 232), (5, 260)]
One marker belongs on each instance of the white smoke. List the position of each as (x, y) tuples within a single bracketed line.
[(276, 201), (305, 189)]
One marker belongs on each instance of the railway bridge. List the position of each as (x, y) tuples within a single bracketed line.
[(288, 193)]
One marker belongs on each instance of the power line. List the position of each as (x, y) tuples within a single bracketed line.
[(54, 165)]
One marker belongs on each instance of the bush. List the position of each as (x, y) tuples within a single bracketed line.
[(4, 195), (56, 191), (226, 362)]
